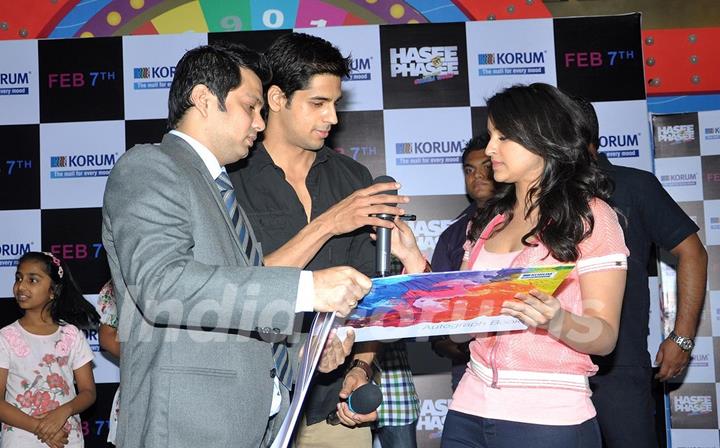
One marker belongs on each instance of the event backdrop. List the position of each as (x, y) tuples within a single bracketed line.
[(687, 163), (69, 108)]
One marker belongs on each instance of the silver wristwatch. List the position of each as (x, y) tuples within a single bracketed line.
[(686, 344)]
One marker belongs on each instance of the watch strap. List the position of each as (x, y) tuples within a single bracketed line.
[(359, 363), (686, 344)]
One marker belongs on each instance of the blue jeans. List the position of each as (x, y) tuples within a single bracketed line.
[(469, 431), (397, 436)]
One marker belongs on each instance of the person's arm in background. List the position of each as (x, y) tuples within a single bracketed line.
[(107, 336), (107, 331), (670, 228), (691, 281)]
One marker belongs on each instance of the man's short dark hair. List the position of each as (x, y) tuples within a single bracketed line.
[(296, 57), (477, 143), (216, 66)]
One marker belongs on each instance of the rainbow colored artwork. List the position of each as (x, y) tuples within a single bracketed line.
[(448, 302)]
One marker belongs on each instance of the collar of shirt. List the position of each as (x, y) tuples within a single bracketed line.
[(261, 158), (211, 162)]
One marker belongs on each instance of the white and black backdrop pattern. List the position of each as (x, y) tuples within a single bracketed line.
[(69, 108)]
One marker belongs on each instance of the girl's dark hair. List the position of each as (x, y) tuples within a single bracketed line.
[(69, 305), (547, 122)]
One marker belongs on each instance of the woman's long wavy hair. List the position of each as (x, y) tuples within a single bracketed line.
[(549, 123)]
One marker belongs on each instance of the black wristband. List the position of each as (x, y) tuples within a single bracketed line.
[(359, 363)]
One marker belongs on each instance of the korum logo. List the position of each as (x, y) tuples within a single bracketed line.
[(359, 70), (11, 252), (512, 63), (153, 77), (67, 166), (14, 83)]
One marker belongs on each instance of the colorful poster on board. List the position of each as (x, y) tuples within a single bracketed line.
[(443, 303)]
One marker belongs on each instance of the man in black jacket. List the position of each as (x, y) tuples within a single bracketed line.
[(311, 207), (622, 386)]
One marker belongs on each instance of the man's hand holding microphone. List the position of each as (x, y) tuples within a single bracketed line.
[(339, 289)]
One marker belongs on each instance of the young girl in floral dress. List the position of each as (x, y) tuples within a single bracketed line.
[(42, 354)]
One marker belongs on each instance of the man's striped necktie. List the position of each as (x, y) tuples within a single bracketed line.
[(279, 349)]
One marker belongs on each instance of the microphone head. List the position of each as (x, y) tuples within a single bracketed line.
[(382, 180), (365, 398)]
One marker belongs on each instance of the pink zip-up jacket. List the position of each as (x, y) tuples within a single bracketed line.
[(532, 358)]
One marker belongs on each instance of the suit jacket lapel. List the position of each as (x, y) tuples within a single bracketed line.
[(197, 163)]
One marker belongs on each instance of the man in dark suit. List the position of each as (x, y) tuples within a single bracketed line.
[(201, 320)]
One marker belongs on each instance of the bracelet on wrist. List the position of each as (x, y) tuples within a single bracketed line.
[(362, 365)]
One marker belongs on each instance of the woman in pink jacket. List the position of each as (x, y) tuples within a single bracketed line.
[(530, 387)]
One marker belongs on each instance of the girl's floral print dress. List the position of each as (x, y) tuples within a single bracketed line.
[(40, 377)]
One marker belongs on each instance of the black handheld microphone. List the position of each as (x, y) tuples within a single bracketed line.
[(382, 246), (363, 400)]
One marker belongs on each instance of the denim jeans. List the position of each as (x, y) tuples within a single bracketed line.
[(397, 436), (469, 431)]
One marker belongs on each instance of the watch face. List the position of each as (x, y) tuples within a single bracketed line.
[(687, 344)]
